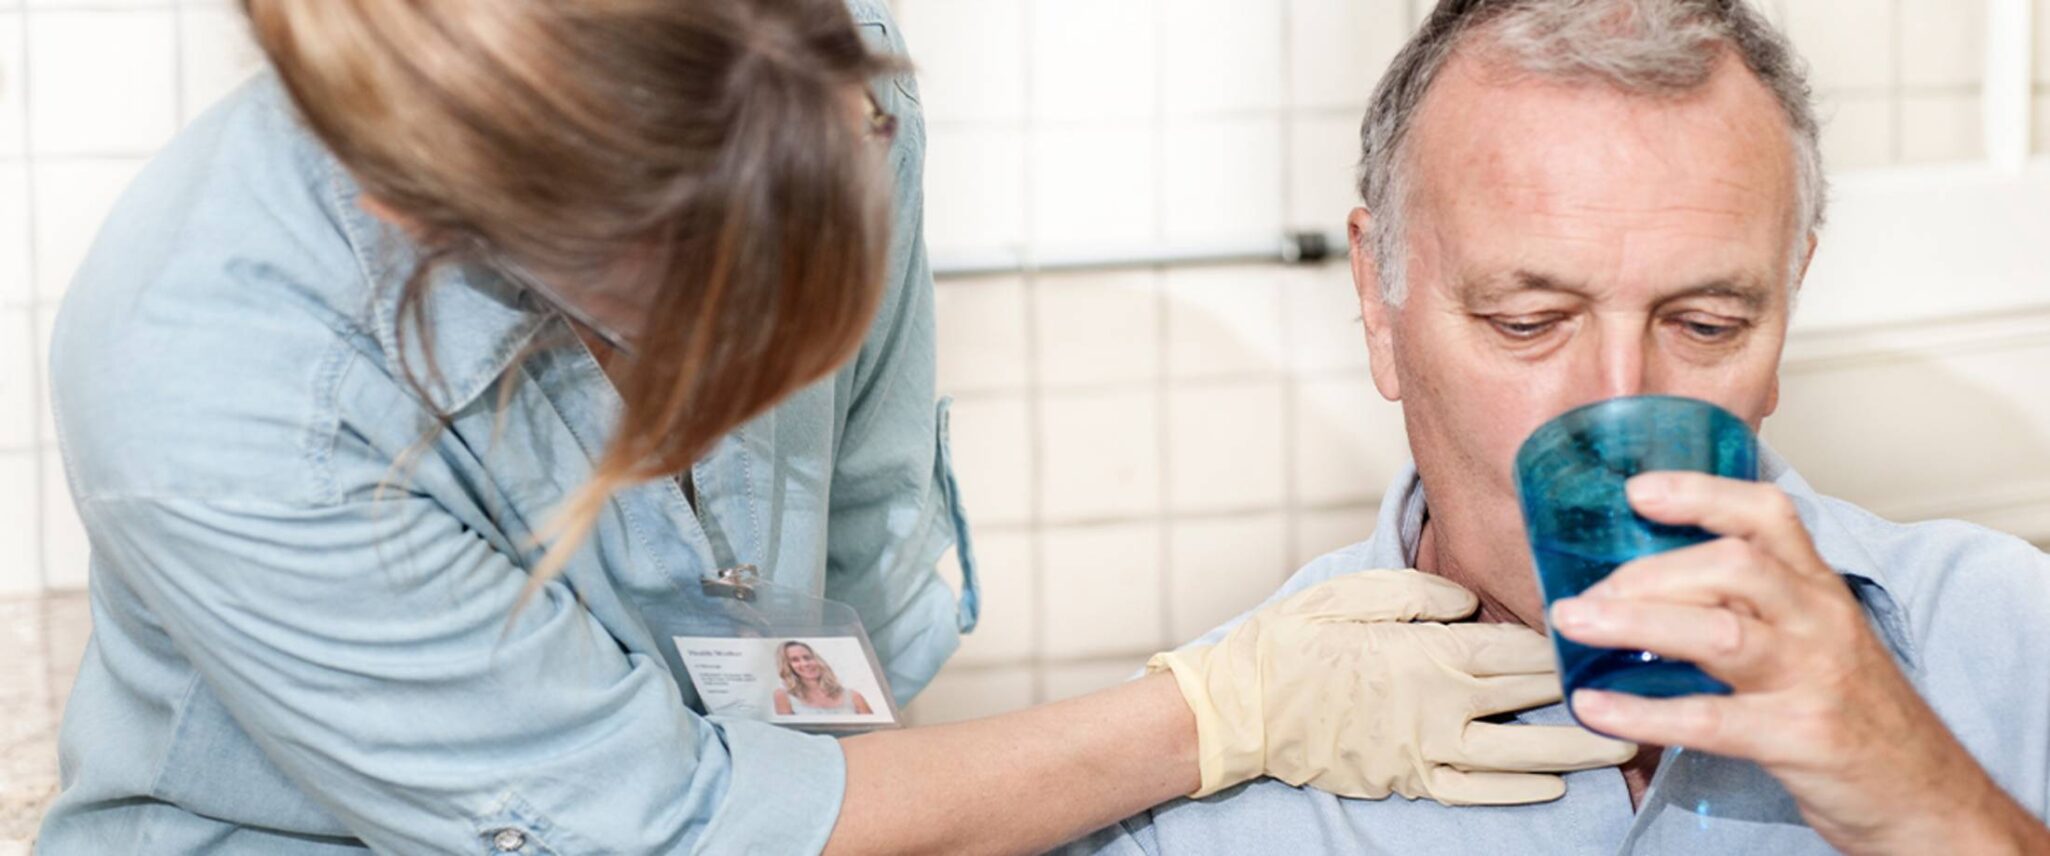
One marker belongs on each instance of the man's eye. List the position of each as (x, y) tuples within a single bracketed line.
[(1523, 329), (1709, 330)]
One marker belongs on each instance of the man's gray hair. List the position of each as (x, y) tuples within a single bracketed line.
[(1652, 47)]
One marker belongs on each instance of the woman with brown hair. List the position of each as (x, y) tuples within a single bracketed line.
[(407, 385)]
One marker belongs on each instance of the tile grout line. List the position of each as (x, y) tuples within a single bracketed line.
[(1163, 484), (37, 382), (1222, 380), (1192, 116), (178, 105), (1035, 403), (1217, 515), (38, 396), (1289, 281), (1165, 510), (1900, 108)]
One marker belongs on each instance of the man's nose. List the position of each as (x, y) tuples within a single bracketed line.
[(1620, 367)]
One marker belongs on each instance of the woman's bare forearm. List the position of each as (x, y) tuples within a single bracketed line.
[(1021, 782)]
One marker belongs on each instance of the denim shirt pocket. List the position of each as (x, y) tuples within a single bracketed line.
[(957, 514), (514, 826)]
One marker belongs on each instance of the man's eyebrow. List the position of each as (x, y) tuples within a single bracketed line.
[(1752, 295), (1486, 291), (1483, 291)]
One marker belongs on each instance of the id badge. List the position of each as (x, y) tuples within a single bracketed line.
[(757, 650)]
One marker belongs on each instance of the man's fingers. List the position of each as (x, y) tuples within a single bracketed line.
[(1722, 725), (1382, 595), (1458, 787), (1487, 650), (1755, 511), (1537, 749), (1726, 571), (1724, 643)]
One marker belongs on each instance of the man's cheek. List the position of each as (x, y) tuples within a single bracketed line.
[(1746, 389), (1495, 415)]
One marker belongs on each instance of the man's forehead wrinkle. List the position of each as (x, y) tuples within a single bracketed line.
[(1477, 137), (1547, 182), (1568, 218), (1552, 195), (1654, 209)]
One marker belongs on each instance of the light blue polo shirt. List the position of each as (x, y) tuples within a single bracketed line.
[(1966, 611)]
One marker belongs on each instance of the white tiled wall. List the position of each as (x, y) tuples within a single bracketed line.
[(1144, 452), (1183, 438), (89, 89)]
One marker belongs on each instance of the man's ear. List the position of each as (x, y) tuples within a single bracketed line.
[(1807, 258), (1375, 314)]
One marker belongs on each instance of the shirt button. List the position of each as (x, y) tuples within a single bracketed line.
[(509, 840)]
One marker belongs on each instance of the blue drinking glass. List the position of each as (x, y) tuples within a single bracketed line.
[(1570, 475)]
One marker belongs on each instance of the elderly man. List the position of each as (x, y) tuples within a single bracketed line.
[(1570, 200)]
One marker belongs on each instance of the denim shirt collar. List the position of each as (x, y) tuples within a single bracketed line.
[(1405, 508), (481, 323)]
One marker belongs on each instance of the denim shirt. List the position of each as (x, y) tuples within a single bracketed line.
[(301, 635), (1962, 608)]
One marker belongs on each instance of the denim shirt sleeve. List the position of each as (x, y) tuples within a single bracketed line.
[(895, 508), (421, 717)]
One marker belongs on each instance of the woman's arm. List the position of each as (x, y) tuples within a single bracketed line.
[(1022, 782), (1360, 661), (782, 703), (861, 704)]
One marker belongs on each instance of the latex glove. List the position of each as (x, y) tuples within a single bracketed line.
[(1352, 687)]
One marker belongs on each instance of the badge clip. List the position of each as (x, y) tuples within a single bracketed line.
[(737, 582)]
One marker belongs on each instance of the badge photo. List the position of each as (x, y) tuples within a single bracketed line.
[(801, 681)]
